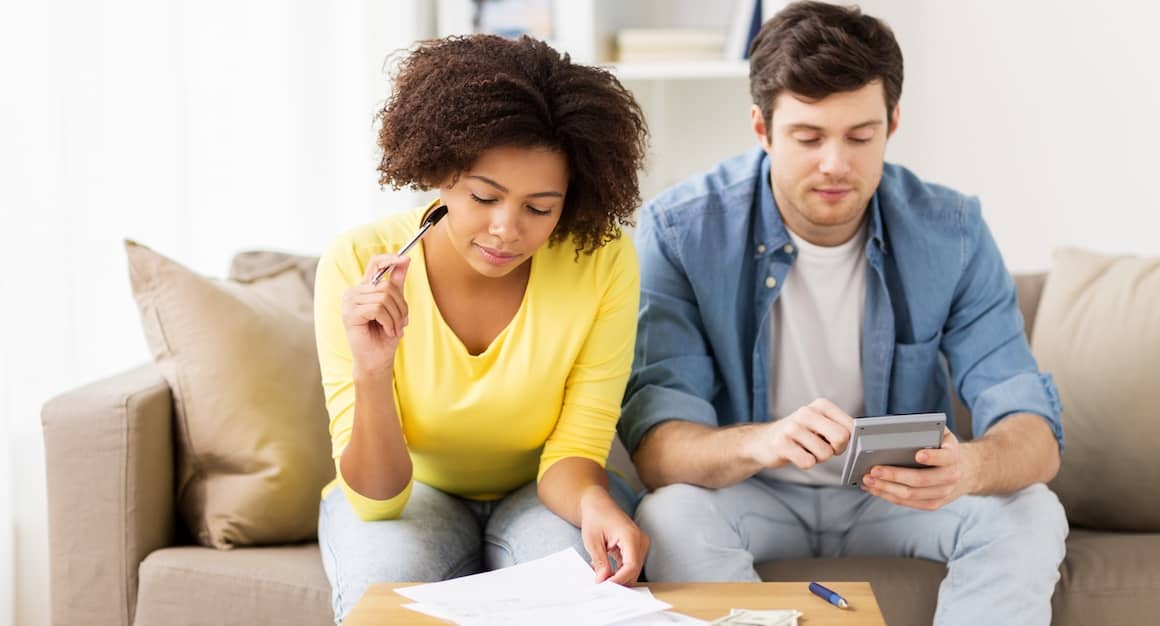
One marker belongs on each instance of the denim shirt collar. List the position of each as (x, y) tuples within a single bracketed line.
[(769, 232)]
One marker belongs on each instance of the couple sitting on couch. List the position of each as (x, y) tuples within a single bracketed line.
[(774, 297)]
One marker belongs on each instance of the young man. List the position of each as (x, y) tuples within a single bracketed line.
[(795, 286)]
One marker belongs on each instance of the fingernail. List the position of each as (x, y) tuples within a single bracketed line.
[(869, 480)]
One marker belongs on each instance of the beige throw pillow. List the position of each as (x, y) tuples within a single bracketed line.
[(253, 449), (1098, 333)]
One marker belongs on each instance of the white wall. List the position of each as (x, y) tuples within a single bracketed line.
[(197, 128), (201, 128), (1045, 110)]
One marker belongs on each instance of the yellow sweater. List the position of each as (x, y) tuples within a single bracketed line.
[(548, 387)]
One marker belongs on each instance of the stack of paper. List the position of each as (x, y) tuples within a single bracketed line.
[(558, 589), (747, 617)]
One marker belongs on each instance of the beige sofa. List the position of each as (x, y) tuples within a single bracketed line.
[(120, 554)]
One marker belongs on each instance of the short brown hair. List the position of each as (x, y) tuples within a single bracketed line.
[(456, 97), (816, 49)]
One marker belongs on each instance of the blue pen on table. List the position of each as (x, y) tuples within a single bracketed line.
[(829, 595)]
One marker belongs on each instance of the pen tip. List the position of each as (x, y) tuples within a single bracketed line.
[(842, 604)]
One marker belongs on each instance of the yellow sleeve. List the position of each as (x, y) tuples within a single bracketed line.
[(595, 385), (338, 269)]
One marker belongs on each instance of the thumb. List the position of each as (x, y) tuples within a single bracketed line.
[(399, 273), (597, 555)]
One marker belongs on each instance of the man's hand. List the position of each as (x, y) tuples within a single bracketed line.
[(608, 531), (952, 473), (810, 435)]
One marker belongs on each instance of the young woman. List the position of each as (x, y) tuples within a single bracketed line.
[(473, 392)]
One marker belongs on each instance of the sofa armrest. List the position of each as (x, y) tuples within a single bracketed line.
[(109, 463)]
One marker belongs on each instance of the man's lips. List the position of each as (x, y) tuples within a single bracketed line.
[(833, 193)]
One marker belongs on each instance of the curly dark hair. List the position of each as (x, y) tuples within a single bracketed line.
[(456, 97), (816, 49)]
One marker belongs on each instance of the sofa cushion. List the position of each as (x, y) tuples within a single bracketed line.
[(253, 451), (1108, 578), (1098, 333), (282, 585)]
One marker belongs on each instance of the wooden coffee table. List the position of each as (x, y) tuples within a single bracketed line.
[(381, 605)]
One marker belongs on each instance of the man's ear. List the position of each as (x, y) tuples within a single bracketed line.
[(760, 129), (894, 115)]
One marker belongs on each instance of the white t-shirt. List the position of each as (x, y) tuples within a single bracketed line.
[(817, 341)]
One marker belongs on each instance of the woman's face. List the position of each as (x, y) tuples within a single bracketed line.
[(504, 207)]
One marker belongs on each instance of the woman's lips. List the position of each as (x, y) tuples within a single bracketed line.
[(496, 257)]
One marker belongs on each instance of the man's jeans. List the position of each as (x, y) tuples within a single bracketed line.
[(1002, 552), (441, 536)]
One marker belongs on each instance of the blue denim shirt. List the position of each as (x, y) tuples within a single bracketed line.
[(936, 285)]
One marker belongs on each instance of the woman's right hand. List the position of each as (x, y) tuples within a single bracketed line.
[(374, 315)]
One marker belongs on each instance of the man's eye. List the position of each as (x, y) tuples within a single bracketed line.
[(808, 141), (861, 139)]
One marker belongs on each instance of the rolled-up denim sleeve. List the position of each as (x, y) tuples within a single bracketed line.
[(673, 376), (990, 360)]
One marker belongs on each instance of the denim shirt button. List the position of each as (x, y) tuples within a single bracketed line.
[(770, 282), (788, 248), (761, 248)]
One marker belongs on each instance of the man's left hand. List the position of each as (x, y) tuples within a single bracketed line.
[(950, 475)]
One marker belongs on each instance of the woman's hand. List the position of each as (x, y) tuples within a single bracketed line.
[(608, 531), (374, 315)]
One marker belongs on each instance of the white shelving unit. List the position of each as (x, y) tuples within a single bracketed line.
[(694, 70), (697, 111)]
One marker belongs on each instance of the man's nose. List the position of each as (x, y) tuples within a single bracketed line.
[(835, 160)]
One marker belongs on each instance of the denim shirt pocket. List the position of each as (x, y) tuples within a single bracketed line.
[(917, 383)]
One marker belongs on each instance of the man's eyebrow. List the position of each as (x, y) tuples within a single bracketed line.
[(804, 126), (539, 194)]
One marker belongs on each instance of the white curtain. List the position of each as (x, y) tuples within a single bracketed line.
[(198, 128)]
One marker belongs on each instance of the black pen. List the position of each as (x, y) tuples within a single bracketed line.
[(432, 218)]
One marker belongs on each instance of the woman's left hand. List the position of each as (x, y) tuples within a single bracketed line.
[(608, 532)]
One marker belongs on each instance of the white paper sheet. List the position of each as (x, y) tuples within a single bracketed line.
[(556, 589)]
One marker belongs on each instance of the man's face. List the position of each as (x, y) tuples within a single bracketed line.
[(826, 159)]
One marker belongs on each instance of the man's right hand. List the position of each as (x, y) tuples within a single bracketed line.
[(810, 435), (374, 315)]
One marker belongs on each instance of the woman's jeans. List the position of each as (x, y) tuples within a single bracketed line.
[(441, 536)]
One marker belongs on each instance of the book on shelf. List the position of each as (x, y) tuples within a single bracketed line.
[(744, 23), (659, 45)]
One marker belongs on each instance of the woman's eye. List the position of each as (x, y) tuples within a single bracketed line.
[(538, 211), (482, 200)]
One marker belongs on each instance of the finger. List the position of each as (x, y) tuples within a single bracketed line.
[(631, 561), (799, 456), (375, 313), (928, 477), (377, 263), (819, 448), (922, 505), (938, 457), (399, 274), (834, 433), (831, 410), (597, 555), (400, 303), (907, 493)]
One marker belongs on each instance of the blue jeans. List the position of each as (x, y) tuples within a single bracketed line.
[(1002, 552), (441, 536)]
